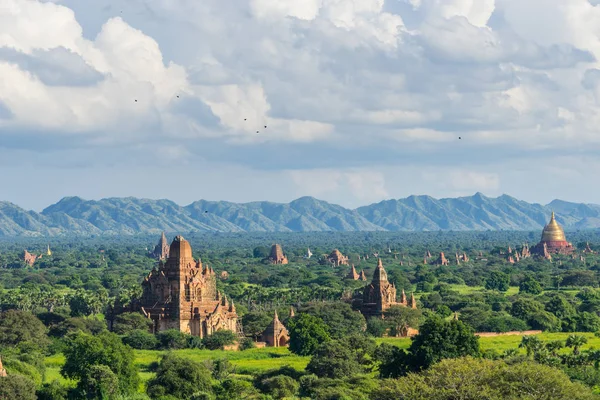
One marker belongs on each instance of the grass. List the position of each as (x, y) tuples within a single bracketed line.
[(246, 362), (258, 360), (503, 343), (512, 290)]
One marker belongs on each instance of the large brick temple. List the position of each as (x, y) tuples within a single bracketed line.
[(380, 295), (553, 240), (182, 294)]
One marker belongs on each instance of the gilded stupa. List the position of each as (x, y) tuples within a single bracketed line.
[(554, 239)]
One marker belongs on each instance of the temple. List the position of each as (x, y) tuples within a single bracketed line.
[(161, 250), (182, 294), (553, 241), (276, 334), (2, 370), (29, 258), (380, 295), (337, 258), (277, 256), (353, 274)]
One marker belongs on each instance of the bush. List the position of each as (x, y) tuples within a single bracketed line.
[(247, 344), (52, 391), (280, 386), (219, 339), (141, 340), (128, 322), (17, 387), (172, 339), (180, 378)]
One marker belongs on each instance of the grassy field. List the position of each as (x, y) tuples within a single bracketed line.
[(503, 343), (513, 290), (246, 362), (258, 360)]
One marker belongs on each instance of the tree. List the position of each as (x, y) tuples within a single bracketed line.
[(141, 340), (99, 383), (438, 339), (127, 322), (280, 386), (334, 360), (341, 320), (399, 319), (172, 339), (256, 322), (21, 326), (576, 341), (530, 285), (531, 343), (179, 377), (17, 387), (82, 351), (468, 378), (306, 334), (498, 281), (219, 339)]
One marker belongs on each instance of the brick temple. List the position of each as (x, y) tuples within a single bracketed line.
[(182, 294)]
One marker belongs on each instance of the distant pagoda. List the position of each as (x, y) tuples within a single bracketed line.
[(553, 240)]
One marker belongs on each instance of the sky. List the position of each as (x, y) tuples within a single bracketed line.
[(363, 100)]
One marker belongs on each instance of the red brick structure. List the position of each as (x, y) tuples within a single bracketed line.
[(29, 258), (337, 258), (277, 256), (182, 294), (2, 370), (276, 334), (353, 274), (380, 295), (442, 260), (161, 250), (553, 241)]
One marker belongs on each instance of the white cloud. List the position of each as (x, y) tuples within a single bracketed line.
[(348, 89)]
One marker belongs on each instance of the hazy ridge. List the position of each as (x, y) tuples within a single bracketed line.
[(76, 216)]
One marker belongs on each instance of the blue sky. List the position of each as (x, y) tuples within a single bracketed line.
[(363, 100)]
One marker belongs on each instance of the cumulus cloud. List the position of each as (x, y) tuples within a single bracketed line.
[(335, 91)]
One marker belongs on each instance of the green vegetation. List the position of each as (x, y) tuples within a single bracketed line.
[(60, 311)]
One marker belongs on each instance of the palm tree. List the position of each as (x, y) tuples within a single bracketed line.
[(532, 344), (576, 341)]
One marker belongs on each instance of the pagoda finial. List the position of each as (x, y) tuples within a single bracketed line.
[(379, 263), (275, 317)]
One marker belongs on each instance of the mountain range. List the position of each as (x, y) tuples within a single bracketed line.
[(127, 216)]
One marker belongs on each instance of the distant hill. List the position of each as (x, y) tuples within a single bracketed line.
[(127, 216)]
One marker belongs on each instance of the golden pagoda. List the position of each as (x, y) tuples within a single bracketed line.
[(553, 236)]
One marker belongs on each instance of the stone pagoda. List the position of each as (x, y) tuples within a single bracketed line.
[(553, 240), (277, 256), (337, 258), (353, 274), (379, 295), (182, 294), (276, 334), (161, 250)]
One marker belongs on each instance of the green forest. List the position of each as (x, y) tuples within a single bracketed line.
[(55, 342)]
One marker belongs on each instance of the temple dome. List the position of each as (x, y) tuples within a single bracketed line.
[(553, 232), (180, 248)]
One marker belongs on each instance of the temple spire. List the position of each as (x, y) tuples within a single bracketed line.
[(379, 275), (292, 313)]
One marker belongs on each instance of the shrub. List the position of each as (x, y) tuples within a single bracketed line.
[(141, 340)]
